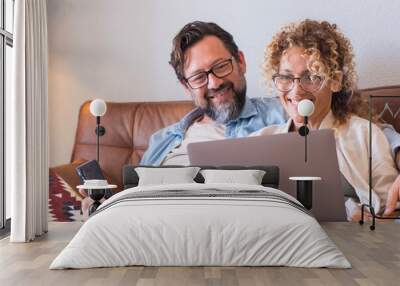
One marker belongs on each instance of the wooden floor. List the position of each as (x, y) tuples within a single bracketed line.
[(374, 255)]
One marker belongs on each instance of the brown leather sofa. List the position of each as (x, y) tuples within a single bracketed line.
[(128, 129)]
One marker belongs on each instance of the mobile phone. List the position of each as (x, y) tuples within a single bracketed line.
[(91, 170)]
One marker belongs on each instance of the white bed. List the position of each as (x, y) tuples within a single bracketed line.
[(225, 225)]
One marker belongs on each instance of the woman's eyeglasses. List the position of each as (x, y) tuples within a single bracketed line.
[(310, 83)]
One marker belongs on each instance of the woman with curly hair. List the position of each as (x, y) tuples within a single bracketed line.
[(313, 60)]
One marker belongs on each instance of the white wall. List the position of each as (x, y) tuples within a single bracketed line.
[(119, 50)]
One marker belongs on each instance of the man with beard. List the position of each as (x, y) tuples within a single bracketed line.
[(211, 69)]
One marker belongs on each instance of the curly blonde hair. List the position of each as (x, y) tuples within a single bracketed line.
[(330, 54)]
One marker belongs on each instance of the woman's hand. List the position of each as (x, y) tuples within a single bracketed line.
[(393, 197), (397, 159), (356, 217)]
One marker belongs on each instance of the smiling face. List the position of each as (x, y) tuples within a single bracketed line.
[(222, 99), (294, 63)]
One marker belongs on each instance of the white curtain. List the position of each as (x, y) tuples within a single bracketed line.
[(28, 157)]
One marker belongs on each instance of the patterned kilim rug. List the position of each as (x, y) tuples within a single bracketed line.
[(64, 201)]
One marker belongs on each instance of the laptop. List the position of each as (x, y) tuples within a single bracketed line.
[(288, 153)]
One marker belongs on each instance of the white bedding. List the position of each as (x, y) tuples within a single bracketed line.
[(182, 231)]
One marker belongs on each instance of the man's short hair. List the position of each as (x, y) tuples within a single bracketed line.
[(192, 33)]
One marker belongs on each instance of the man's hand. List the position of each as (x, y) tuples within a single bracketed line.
[(394, 194), (86, 203), (83, 192)]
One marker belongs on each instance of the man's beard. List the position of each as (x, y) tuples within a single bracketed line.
[(225, 111)]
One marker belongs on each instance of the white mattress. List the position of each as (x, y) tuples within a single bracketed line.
[(183, 231)]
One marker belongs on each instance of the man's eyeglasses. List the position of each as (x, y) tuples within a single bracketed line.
[(308, 83), (220, 70)]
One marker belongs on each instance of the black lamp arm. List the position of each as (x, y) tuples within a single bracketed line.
[(303, 131), (100, 130)]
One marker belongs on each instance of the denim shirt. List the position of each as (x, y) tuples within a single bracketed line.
[(256, 114), (393, 137)]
